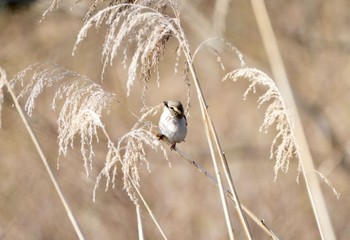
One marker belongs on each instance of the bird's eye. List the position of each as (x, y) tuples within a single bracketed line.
[(172, 108)]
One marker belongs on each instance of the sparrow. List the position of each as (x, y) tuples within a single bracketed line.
[(173, 123)]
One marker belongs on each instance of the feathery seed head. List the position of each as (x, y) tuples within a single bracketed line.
[(83, 103), (284, 145)]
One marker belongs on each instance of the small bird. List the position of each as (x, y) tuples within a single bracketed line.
[(173, 123)]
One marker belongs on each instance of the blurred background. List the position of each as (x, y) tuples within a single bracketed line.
[(314, 39)]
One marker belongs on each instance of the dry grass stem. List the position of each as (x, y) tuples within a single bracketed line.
[(212, 43), (306, 162), (284, 145), (2, 84), (228, 193), (206, 121), (139, 223), (132, 184), (149, 210), (214, 140), (43, 158)]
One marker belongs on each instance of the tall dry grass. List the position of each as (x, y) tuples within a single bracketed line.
[(139, 32)]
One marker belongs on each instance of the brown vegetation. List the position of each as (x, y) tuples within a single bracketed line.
[(187, 206)]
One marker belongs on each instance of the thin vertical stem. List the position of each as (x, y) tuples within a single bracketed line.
[(203, 107), (228, 175), (139, 194), (312, 183), (148, 208), (223, 159), (182, 40), (43, 158), (211, 135), (139, 223)]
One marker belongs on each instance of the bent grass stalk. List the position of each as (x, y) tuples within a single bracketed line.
[(261, 223), (203, 108), (221, 153), (212, 136)]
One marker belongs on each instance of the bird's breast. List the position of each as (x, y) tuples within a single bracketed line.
[(174, 128)]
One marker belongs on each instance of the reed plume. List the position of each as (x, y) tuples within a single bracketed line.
[(283, 146)]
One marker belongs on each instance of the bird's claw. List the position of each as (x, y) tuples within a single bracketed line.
[(160, 136)]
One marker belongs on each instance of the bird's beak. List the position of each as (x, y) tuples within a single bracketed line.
[(165, 103)]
